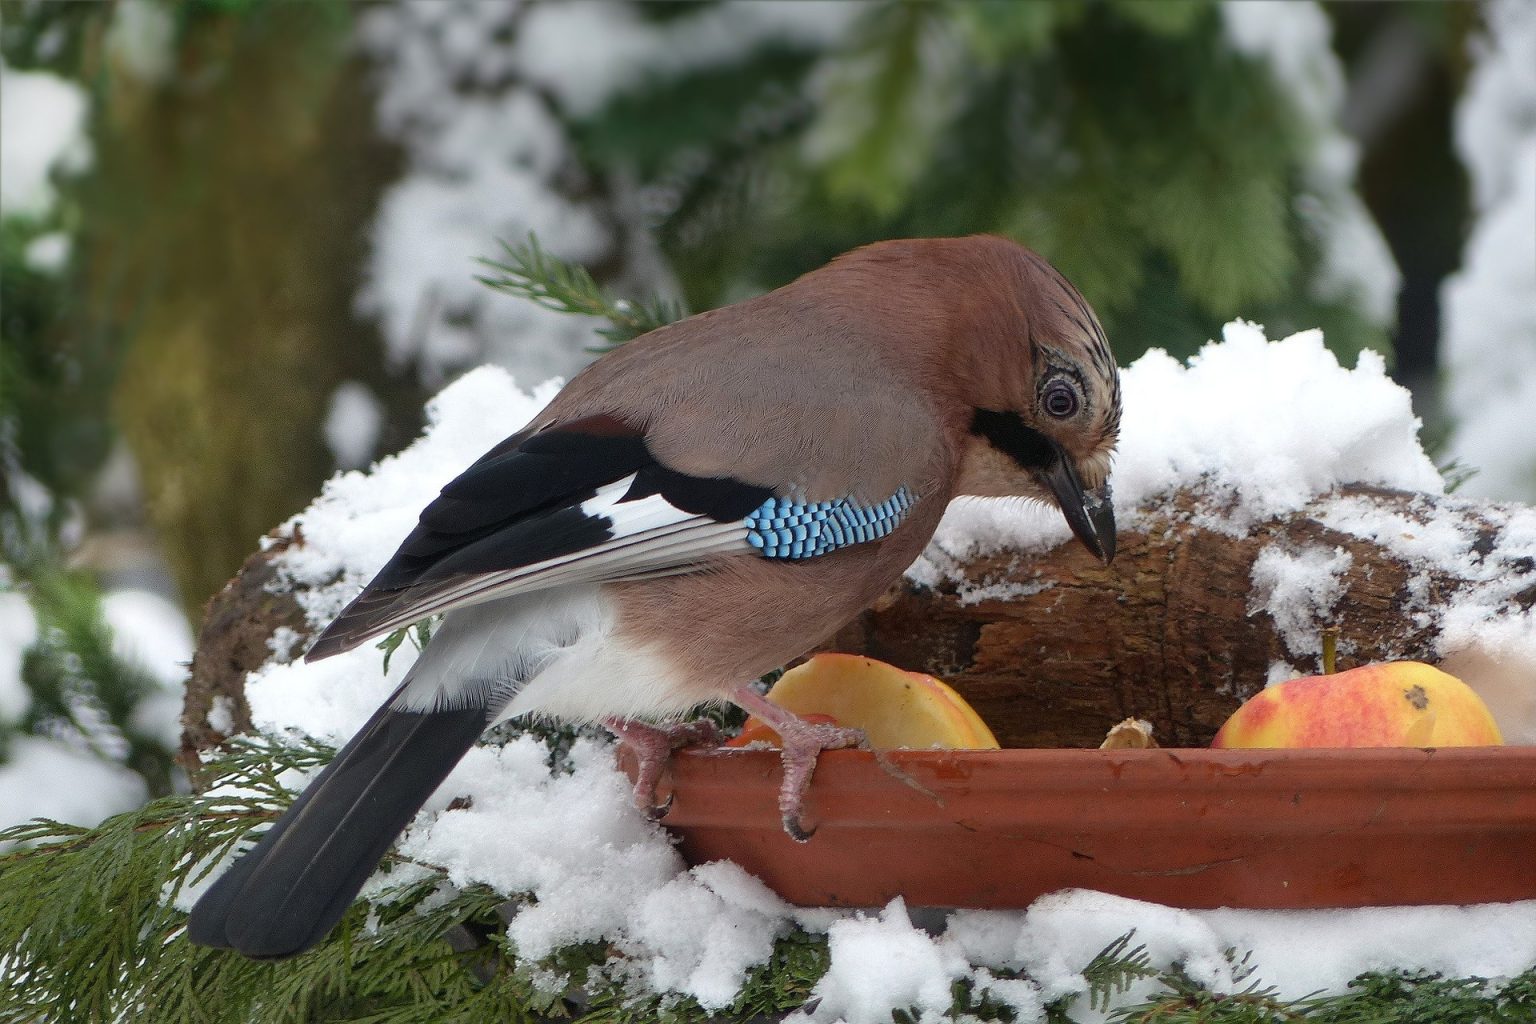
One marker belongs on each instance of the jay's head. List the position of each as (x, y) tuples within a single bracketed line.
[(1032, 381), (1046, 408)]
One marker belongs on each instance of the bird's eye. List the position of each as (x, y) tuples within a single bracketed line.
[(1059, 400)]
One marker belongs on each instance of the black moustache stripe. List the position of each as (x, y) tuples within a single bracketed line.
[(1008, 434)]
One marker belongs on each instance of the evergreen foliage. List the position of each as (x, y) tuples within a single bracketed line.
[(95, 939), (1126, 141), (419, 633), (54, 376), (83, 694), (56, 373), (529, 272)]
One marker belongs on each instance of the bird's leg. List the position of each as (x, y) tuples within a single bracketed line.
[(802, 743), (653, 746)]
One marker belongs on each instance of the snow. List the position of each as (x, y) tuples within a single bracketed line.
[(141, 40), (359, 519), (1489, 343), (284, 643), (570, 840), (1260, 427), (1497, 114), (352, 424), (1295, 40), (221, 716), (42, 129), (586, 51), (883, 963), (151, 632), (484, 162), (477, 95), (31, 767), (18, 631), (1265, 426), (32, 784), (1298, 951), (146, 630), (1486, 634), (1298, 589), (705, 929), (47, 254)]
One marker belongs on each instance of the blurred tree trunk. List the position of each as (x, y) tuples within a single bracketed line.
[(225, 233)]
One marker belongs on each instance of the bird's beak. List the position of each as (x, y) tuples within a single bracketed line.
[(1090, 513)]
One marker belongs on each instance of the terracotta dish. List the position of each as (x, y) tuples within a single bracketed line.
[(1188, 828)]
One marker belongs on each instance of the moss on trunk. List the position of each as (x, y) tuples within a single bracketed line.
[(226, 233)]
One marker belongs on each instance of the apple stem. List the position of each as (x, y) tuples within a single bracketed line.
[(1330, 650)]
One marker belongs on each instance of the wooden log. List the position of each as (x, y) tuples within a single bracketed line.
[(239, 623), (1054, 649), (1166, 633)]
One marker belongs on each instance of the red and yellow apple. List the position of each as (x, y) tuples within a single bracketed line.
[(894, 708), (1392, 704)]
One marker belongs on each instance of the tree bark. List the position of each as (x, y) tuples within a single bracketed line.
[(227, 250), (1167, 633)]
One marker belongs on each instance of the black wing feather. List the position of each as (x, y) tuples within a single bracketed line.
[(518, 505), (720, 498)]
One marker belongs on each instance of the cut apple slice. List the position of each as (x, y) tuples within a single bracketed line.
[(893, 707)]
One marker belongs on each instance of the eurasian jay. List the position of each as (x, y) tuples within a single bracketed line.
[(693, 510)]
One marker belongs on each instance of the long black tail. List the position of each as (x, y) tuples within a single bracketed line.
[(288, 891)]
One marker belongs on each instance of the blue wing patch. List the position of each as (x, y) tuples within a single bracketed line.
[(785, 528)]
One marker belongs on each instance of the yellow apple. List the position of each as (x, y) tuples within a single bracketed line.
[(893, 707), (1392, 704)]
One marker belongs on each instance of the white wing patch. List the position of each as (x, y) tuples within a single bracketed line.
[(649, 537), (549, 653)]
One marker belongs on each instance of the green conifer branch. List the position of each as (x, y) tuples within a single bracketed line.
[(530, 272)]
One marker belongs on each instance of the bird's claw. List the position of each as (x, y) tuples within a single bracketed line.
[(653, 746), (656, 811), (796, 830), (803, 744)]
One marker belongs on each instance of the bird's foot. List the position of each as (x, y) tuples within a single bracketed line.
[(803, 743), (653, 746)]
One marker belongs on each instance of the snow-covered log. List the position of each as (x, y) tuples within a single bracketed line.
[(252, 618), (1264, 493), (1189, 620)]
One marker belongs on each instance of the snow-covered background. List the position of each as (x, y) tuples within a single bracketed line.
[(43, 135), (480, 113), (1489, 319), (148, 632), (1263, 427), (486, 158)]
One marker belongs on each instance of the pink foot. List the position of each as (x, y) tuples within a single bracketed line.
[(653, 745), (803, 743)]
